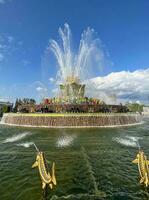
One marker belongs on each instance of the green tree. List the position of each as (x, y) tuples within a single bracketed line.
[(4, 109), (135, 107)]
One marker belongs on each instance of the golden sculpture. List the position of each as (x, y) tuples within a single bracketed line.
[(143, 166), (45, 176)]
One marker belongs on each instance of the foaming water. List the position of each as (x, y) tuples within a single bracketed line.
[(16, 137), (65, 141), (25, 144), (131, 141), (134, 138)]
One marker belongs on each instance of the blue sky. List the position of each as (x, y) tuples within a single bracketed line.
[(27, 25)]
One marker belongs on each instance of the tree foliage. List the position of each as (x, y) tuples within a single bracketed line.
[(23, 101), (135, 107), (4, 109)]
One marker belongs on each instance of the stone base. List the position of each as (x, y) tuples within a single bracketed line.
[(71, 120)]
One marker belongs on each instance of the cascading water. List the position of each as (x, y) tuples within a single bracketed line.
[(75, 120), (3, 118)]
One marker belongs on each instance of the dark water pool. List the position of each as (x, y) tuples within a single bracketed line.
[(90, 163)]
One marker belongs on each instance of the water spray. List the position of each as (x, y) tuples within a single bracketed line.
[(36, 147), (90, 52), (138, 145)]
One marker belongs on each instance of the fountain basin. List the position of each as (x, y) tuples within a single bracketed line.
[(72, 120)]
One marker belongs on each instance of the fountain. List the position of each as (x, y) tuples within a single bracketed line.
[(72, 108)]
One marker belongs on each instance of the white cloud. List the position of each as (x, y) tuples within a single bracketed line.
[(39, 89), (51, 79), (124, 86)]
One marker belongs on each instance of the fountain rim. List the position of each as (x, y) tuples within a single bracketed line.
[(70, 115), (70, 127)]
